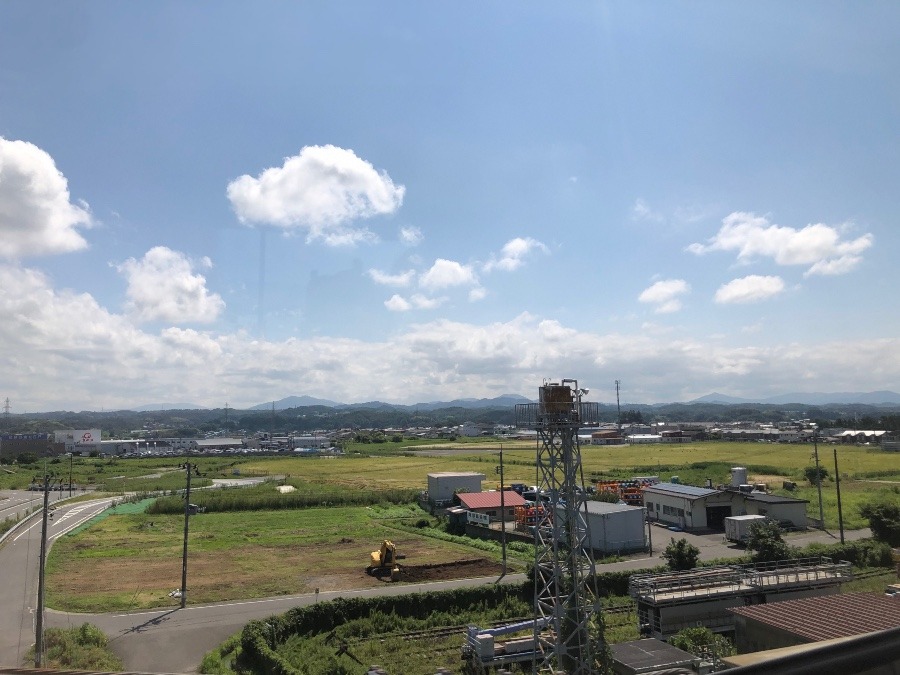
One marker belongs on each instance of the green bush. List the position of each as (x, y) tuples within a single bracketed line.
[(681, 555), (884, 520)]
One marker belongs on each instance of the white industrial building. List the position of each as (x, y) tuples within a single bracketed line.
[(615, 528), (687, 506), (442, 485), (695, 508)]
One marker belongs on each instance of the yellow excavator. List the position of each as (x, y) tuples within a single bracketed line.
[(384, 561)]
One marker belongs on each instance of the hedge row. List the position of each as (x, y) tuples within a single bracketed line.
[(260, 639)]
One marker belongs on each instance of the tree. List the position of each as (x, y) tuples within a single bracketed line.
[(767, 543), (605, 496), (27, 458), (815, 474), (884, 520), (681, 555), (701, 641)]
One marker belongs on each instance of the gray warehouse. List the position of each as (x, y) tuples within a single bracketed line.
[(616, 528)]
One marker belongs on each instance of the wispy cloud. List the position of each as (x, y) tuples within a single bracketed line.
[(641, 211), (665, 295), (385, 279), (411, 236), (752, 288), (514, 253)]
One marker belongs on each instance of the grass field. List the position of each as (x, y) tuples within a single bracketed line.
[(294, 551), (134, 561)]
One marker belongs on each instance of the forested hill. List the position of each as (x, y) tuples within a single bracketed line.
[(188, 423)]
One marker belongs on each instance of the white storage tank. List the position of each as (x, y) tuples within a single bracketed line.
[(738, 476)]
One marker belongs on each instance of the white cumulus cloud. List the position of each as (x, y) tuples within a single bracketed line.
[(819, 246), (321, 190), (752, 288), (513, 254), (36, 214), (163, 286), (665, 295), (387, 279), (446, 273)]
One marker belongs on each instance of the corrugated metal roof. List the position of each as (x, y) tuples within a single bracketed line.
[(774, 499), (490, 500), (681, 490), (828, 616)]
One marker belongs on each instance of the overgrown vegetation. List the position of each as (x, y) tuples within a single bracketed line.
[(306, 494), (884, 519), (83, 648), (701, 641)]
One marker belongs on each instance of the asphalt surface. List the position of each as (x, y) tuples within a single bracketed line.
[(20, 560), (175, 640)]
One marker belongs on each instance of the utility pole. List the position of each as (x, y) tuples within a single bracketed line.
[(837, 482), (71, 458), (818, 476), (39, 618), (502, 513), (618, 411), (184, 556)]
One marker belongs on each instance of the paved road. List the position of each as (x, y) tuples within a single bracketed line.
[(175, 640), (16, 503), (19, 560)]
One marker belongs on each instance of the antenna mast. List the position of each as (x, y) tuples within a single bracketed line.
[(568, 620)]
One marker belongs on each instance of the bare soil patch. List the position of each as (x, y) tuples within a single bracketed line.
[(458, 569)]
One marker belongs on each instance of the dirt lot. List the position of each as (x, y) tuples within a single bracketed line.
[(458, 569)]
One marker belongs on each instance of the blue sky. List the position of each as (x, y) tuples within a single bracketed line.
[(235, 202)]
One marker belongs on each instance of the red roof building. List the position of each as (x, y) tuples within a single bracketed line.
[(489, 502)]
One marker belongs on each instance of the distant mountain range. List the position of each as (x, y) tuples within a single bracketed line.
[(504, 401), (807, 398), (149, 407), (510, 400)]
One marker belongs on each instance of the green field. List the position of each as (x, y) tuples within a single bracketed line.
[(133, 561)]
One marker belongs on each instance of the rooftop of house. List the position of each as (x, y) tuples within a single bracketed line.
[(828, 616), (490, 500)]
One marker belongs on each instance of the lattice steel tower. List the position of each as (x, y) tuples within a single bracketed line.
[(568, 622)]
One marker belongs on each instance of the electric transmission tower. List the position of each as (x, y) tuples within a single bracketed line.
[(568, 622)]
